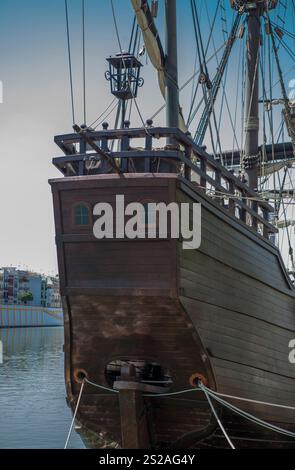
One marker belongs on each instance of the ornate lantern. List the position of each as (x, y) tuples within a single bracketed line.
[(124, 75)]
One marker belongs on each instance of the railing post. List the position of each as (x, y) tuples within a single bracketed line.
[(232, 204), (104, 140), (254, 220), (82, 150), (124, 147), (265, 228), (188, 155), (104, 166), (243, 212), (148, 146), (187, 169), (218, 183), (203, 179)]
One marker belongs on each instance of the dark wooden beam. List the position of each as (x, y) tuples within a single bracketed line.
[(282, 151), (97, 149)]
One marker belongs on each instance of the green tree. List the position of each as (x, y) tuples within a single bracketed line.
[(26, 297)]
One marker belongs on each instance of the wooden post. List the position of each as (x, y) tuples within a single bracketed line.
[(133, 420), (134, 428), (148, 146), (265, 228), (124, 147), (218, 183), (232, 204), (243, 212), (187, 169), (134, 416), (83, 147), (254, 220), (203, 180)]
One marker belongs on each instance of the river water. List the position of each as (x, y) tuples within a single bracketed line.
[(33, 409)]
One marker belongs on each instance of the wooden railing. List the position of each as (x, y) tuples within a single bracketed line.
[(195, 165)]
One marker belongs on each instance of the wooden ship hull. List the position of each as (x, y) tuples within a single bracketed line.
[(224, 313)]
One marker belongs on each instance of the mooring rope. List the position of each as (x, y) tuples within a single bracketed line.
[(218, 420), (246, 415), (170, 394), (209, 394), (102, 387), (197, 389), (257, 402), (75, 414)]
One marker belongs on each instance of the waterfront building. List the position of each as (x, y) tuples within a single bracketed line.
[(29, 299)]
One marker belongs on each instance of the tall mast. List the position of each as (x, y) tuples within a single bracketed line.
[(171, 87), (254, 9), (252, 98)]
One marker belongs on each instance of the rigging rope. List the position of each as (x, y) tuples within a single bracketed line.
[(264, 140), (275, 50), (271, 117), (84, 60), (287, 48), (188, 81), (116, 105), (224, 95), (223, 20), (203, 68), (128, 78), (283, 30), (269, 114), (284, 75), (215, 86), (133, 43), (288, 120), (285, 216), (197, 53), (70, 60), (104, 112), (132, 34)]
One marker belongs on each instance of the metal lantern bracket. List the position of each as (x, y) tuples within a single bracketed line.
[(124, 75)]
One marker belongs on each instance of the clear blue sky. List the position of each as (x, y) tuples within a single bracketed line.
[(34, 72)]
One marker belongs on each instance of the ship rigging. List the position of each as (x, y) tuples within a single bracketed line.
[(142, 316), (273, 159)]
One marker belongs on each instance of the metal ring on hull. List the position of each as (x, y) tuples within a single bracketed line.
[(80, 375), (196, 378)]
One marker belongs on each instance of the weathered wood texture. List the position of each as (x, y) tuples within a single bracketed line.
[(105, 329), (226, 311), (238, 297), (121, 303)]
